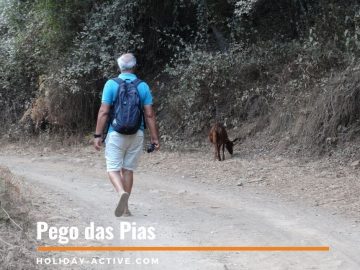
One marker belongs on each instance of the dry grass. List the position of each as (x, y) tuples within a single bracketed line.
[(335, 117), (16, 246)]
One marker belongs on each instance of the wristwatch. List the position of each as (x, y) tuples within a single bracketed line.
[(97, 136)]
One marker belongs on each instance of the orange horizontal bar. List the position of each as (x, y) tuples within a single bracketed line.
[(182, 248)]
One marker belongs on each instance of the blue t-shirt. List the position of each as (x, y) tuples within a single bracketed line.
[(110, 92)]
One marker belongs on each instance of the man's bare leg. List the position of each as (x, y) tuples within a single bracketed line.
[(117, 180), (127, 180)]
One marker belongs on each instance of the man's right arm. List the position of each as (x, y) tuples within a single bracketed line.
[(102, 120), (103, 115), (151, 124)]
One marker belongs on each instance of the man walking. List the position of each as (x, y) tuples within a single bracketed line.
[(124, 141)]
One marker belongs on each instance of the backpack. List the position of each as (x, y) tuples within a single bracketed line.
[(127, 113)]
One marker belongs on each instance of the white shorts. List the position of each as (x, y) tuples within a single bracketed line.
[(123, 151)]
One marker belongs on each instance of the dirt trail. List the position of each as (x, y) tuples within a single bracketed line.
[(186, 212)]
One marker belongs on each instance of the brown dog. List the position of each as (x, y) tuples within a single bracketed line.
[(218, 136)]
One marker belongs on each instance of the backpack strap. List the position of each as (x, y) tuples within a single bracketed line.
[(137, 81), (117, 80)]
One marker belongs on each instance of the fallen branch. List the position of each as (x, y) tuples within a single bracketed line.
[(13, 221), (256, 181), (3, 241)]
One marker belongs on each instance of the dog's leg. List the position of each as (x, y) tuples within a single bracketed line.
[(223, 151), (218, 152)]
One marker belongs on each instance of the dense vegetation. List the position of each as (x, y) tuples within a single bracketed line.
[(288, 68)]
